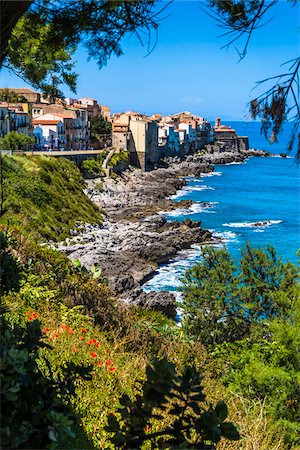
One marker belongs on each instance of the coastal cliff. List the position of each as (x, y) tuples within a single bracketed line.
[(135, 237)]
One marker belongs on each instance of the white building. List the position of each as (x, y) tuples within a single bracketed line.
[(49, 132)]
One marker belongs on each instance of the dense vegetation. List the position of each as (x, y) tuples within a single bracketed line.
[(67, 338), (249, 321), (81, 370), (44, 196), (93, 167), (15, 141)]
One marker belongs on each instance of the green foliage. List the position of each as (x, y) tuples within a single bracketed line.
[(180, 398), (45, 196), (267, 367), (35, 405), (35, 55), (118, 157), (92, 166), (46, 36), (220, 304), (100, 126), (250, 321), (16, 141)]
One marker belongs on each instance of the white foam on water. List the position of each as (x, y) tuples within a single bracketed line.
[(284, 157), (234, 163), (200, 188), (226, 236), (258, 224), (167, 277), (195, 208), (187, 189), (211, 174)]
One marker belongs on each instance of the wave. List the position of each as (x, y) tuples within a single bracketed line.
[(186, 190), (195, 208), (226, 236), (234, 163), (279, 156), (211, 174), (259, 224), (167, 277)]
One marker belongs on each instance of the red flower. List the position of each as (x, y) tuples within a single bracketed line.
[(45, 330), (75, 349), (34, 315), (94, 355), (93, 341), (112, 369), (108, 362), (83, 330), (27, 313)]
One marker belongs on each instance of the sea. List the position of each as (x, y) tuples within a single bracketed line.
[(257, 201)]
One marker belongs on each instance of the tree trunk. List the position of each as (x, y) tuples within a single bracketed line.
[(10, 12)]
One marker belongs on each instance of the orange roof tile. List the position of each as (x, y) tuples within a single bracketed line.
[(45, 122)]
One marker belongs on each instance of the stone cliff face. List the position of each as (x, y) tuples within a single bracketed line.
[(135, 238)]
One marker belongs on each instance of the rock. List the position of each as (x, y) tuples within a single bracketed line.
[(163, 301), (134, 237)]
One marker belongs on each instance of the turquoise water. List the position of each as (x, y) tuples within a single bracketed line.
[(261, 190)]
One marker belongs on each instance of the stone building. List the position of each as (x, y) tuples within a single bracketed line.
[(229, 139), (30, 95), (139, 135)]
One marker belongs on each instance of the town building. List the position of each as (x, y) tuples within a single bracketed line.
[(63, 128), (228, 138), (139, 135), (30, 95), (15, 117)]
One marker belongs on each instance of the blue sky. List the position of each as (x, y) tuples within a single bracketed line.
[(188, 70)]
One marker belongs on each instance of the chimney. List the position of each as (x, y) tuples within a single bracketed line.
[(218, 122)]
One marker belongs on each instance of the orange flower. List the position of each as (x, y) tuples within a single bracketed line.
[(45, 330), (108, 362), (83, 330), (112, 369), (99, 363), (27, 313), (147, 429), (75, 349), (34, 315), (81, 338), (111, 414), (94, 355)]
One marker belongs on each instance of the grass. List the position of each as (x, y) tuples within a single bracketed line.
[(44, 196)]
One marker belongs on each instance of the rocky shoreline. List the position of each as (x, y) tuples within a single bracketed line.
[(134, 237)]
